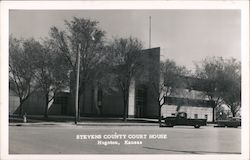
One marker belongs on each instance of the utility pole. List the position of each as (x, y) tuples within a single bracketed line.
[(77, 84), (149, 31)]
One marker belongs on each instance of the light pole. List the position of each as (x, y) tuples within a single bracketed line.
[(77, 109), (77, 84)]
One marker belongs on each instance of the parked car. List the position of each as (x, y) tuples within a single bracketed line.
[(181, 119), (230, 122)]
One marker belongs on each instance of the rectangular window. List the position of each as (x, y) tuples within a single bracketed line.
[(173, 114), (205, 116), (195, 116)]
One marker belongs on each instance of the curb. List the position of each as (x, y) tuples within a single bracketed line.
[(80, 124), (47, 124)]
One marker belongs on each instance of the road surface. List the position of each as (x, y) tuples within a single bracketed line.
[(123, 140)]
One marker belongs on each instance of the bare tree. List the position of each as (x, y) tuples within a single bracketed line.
[(230, 85), (20, 70), (50, 71), (170, 79), (210, 70), (222, 81), (85, 33), (124, 57)]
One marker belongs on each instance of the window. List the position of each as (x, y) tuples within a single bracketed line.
[(141, 96), (173, 114), (195, 116), (205, 116)]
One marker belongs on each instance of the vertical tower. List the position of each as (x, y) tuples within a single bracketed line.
[(149, 32)]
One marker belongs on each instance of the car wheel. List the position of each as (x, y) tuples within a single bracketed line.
[(196, 126), (169, 124)]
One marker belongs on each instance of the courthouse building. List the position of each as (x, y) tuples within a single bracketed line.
[(142, 102)]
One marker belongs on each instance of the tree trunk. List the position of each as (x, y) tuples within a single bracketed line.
[(21, 108), (159, 105), (233, 113), (95, 100), (46, 105), (81, 94), (125, 107), (214, 113)]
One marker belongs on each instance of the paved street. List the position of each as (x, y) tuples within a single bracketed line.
[(49, 139)]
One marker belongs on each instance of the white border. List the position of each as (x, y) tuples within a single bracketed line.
[(76, 5)]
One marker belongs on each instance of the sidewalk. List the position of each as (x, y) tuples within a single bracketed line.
[(71, 124), (84, 121)]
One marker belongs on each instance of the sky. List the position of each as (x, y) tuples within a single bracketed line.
[(185, 36)]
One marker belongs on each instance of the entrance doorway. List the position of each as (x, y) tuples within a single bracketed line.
[(140, 98)]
